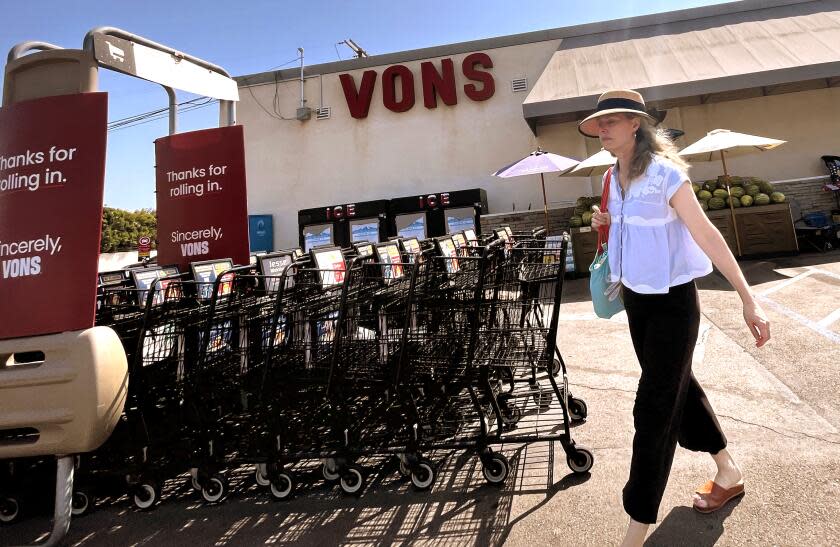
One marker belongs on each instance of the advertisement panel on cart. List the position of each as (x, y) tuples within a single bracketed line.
[(52, 175)]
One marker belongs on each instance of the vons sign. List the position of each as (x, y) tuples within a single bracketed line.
[(435, 83)]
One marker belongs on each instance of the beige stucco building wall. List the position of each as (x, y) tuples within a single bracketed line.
[(293, 165), (808, 120)]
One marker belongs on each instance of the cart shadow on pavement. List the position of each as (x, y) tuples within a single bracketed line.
[(459, 509), (685, 526)]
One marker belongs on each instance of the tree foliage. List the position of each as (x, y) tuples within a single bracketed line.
[(120, 228)]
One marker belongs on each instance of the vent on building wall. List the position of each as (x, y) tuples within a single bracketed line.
[(322, 113), (519, 84)]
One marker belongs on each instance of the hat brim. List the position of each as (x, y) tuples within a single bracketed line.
[(589, 126)]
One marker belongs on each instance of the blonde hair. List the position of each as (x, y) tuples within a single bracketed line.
[(650, 141)]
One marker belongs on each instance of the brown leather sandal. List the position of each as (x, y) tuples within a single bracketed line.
[(717, 496)]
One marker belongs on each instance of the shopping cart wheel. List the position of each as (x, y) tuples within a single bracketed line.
[(9, 510), (577, 409), (329, 470), (261, 474), (495, 468), (423, 475), (555, 367), (352, 480), (146, 495), (283, 486), (82, 503), (580, 461), (215, 490)]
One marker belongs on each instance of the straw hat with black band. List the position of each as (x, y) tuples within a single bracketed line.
[(614, 102)]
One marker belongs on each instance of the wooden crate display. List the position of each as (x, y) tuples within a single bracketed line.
[(766, 229), (584, 245)]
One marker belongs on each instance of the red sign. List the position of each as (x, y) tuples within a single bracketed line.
[(433, 200), (202, 207), (341, 211), (398, 81), (52, 174), (144, 246)]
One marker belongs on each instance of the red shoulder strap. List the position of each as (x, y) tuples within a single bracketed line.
[(604, 231)]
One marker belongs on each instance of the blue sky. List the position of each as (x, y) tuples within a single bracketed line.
[(255, 35)]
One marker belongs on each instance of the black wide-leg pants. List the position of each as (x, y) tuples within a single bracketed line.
[(670, 405)]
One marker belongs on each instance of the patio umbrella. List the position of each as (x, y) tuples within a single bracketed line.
[(540, 162), (721, 143), (598, 163), (594, 165)]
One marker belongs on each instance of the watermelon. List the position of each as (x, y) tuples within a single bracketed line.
[(582, 202), (710, 185), (736, 191), (704, 204), (720, 193), (723, 180), (580, 209), (575, 222), (735, 202), (777, 197), (747, 200), (586, 218), (717, 203), (752, 190), (736, 181), (762, 199), (704, 195), (765, 187), (695, 187)]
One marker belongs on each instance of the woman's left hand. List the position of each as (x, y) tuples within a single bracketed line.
[(757, 322)]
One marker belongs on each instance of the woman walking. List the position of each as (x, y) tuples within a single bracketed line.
[(660, 240)]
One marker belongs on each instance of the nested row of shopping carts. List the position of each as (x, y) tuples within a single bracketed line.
[(398, 349)]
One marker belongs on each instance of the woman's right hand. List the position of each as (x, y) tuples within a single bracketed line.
[(757, 322), (598, 218)]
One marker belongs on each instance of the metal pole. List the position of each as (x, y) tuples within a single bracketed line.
[(227, 113), (63, 502), (731, 206), (545, 203), (173, 110), (302, 100)]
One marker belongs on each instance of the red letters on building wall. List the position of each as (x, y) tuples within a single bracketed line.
[(435, 83), (468, 66), (358, 101), (398, 85), (392, 75)]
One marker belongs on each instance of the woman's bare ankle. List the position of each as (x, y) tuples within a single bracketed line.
[(728, 472), (635, 535)]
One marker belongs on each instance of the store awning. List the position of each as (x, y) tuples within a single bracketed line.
[(692, 62)]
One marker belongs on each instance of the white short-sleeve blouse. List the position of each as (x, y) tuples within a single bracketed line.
[(650, 247)]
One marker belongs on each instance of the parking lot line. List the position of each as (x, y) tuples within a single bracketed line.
[(781, 285), (830, 318), (813, 325)]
